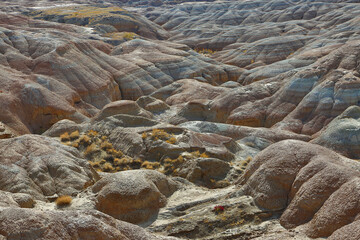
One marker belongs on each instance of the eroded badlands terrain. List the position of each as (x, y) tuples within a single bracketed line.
[(175, 119)]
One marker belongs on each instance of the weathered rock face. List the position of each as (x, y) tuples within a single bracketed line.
[(152, 105), (302, 101), (187, 90), (308, 182), (204, 170), (162, 63), (240, 132), (122, 107), (6, 132), (208, 105), (301, 56), (217, 25), (133, 196), (72, 77), (103, 19), (16, 223), (341, 134), (22, 200), (42, 167)]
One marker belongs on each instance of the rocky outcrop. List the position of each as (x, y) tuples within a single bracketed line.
[(240, 132), (206, 127), (133, 196), (22, 200), (308, 182), (16, 223), (73, 76), (102, 19), (163, 63), (6, 132), (122, 107), (203, 171), (341, 134), (152, 105), (42, 167)]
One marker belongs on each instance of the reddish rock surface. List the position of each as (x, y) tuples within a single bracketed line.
[(204, 93), (309, 182), (72, 77)]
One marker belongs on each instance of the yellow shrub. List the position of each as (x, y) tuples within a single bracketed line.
[(106, 145), (150, 165), (85, 140), (63, 200), (90, 149), (107, 167), (204, 155), (157, 134), (95, 164), (74, 135), (129, 36), (196, 154), (65, 137), (92, 133), (146, 165), (75, 145), (204, 51), (115, 153), (117, 161), (171, 140), (122, 161)]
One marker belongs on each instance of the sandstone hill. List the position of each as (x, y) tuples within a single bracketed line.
[(176, 119)]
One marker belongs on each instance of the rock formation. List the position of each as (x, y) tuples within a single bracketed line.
[(179, 119), (308, 182)]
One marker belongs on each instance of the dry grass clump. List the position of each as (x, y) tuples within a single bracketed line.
[(121, 36), (63, 201), (129, 36), (75, 145), (100, 152), (85, 140), (204, 51), (115, 153), (96, 164), (171, 140), (197, 154), (92, 133), (103, 157), (159, 134), (150, 165), (108, 167), (171, 165), (65, 137), (106, 145), (246, 162), (74, 135), (90, 150)]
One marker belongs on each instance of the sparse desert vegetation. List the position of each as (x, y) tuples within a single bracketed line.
[(159, 134), (63, 201), (104, 158)]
